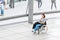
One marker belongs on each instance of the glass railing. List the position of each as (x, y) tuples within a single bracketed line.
[(46, 5), (8, 1), (21, 8)]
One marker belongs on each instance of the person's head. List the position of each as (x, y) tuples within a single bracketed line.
[(43, 15)]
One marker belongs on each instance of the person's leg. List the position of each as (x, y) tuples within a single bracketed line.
[(34, 25), (55, 4), (37, 27), (2, 12), (11, 4), (2, 9), (38, 4), (5, 4), (51, 5)]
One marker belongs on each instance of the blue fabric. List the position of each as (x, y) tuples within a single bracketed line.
[(2, 9), (2, 12), (37, 27)]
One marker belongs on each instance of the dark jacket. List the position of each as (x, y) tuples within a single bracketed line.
[(34, 25)]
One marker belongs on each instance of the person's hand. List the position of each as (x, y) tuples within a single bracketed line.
[(46, 19)]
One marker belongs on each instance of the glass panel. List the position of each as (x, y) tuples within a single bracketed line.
[(46, 5), (20, 8)]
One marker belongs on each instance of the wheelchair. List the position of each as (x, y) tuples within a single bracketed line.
[(41, 28)]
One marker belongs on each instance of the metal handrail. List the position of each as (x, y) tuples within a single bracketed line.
[(25, 15)]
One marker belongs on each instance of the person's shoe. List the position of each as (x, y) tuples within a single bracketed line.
[(32, 30)]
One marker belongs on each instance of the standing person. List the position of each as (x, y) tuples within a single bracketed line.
[(39, 3), (2, 7), (53, 2)]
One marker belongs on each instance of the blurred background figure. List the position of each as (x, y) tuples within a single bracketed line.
[(39, 3), (11, 4), (2, 3), (5, 4), (53, 2), (19, 0)]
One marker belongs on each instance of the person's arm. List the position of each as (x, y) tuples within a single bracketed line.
[(42, 22)]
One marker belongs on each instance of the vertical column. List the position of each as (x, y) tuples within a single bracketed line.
[(30, 12), (11, 4)]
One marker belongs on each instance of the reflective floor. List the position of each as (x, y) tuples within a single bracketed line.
[(22, 31)]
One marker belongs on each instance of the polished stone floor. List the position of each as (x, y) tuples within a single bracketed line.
[(22, 31)]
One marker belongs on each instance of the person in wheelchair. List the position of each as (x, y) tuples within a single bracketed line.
[(38, 25)]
